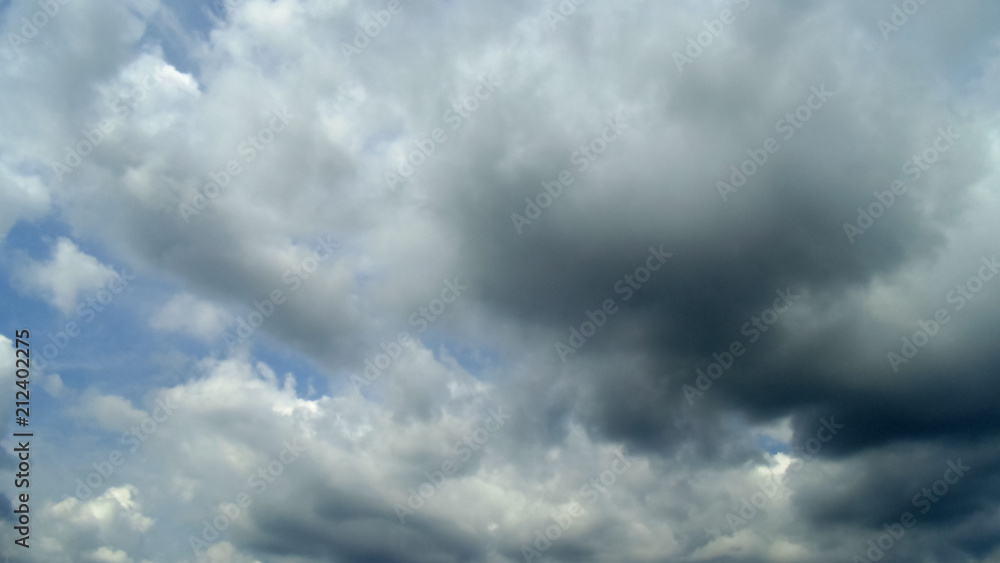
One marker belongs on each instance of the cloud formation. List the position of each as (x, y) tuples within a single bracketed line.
[(727, 269)]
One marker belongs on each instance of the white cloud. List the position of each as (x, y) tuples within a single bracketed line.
[(25, 197), (7, 375), (187, 313), (61, 278), (110, 411), (109, 527), (53, 385), (107, 555), (323, 175), (224, 552)]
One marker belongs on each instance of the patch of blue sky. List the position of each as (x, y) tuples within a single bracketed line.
[(477, 360), (772, 445), (311, 380)]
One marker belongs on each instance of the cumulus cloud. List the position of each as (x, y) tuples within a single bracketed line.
[(105, 528), (26, 198), (745, 250), (61, 278), (110, 411), (187, 313)]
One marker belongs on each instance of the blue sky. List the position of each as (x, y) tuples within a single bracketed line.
[(236, 165)]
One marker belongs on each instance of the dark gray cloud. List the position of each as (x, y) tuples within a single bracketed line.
[(762, 279)]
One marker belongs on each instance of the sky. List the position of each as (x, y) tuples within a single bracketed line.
[(428, 281)]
